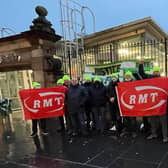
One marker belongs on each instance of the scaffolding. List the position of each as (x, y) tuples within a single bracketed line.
[(73, 25)]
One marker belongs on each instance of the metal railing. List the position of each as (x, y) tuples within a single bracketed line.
[(114, 52)]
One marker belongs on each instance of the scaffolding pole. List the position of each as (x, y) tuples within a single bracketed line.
[(73, 31)]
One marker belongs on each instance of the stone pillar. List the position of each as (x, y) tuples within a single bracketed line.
[(45, 67), (38, 66)]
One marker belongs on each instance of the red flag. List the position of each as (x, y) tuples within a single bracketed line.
[(143, 97), (43, 102)]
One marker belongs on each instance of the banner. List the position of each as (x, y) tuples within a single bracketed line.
[(43, 103), (143, 97)]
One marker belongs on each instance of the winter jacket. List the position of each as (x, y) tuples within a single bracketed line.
[(76, 97), (111, 91), (88, 86), (98, 95), (144, 75)]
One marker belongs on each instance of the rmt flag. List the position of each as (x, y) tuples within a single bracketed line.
[(43, 103), (143, 97)]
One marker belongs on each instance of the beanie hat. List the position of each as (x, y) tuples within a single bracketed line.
[(60, 81), (88, 78), (114, 75), (128, 73), (66, 77), (97, 79)]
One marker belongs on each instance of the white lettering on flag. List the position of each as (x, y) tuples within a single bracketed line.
[(47, 102), (132, 99), (36, 104), (143, 98), (153, 95), (58, 100)]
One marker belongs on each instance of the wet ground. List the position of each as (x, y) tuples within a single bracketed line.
[(18, 150)]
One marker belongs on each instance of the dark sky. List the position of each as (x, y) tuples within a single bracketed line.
[(18, 14)]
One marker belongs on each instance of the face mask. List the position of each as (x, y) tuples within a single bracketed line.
[(128, 79), (114, 79)]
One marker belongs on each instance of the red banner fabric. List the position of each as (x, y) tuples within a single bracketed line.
[(43, 102), (143, 97)]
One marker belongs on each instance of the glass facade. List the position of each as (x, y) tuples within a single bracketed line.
[(12, 82), (143, 46)]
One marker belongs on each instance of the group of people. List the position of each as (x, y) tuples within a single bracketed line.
[(86, 107)]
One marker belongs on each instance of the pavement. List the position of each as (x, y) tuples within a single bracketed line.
[(18, 150)]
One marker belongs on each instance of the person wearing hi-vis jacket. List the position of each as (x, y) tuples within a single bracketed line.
[(154, 119), (41, 122)]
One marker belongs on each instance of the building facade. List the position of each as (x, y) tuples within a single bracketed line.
[(140, 39)]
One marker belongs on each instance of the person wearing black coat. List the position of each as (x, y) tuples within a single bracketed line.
[(60, 83), (98, 100), (154, 119), (88, 106), (67, 83), (113, 103), (76, 97)]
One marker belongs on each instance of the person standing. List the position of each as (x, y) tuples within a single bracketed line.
[(40, 122), (76, 97), (67, 83), (130, 124), (99, 100), (88, 106), (60, 83), (113, 103), (154, 119)]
